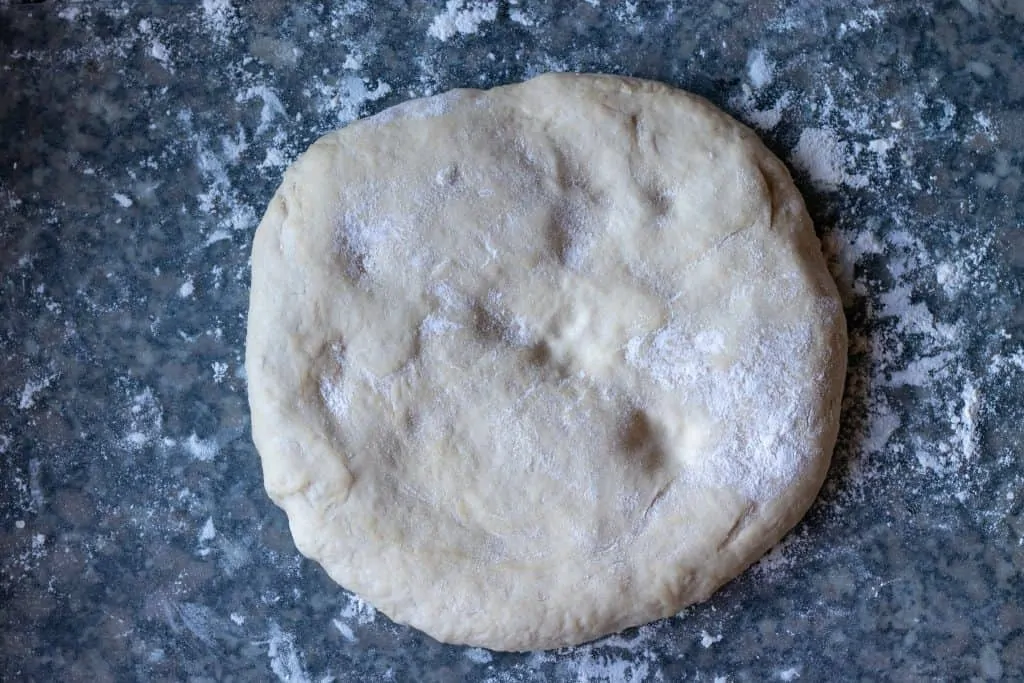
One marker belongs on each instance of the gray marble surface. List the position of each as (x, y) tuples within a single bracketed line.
[(141, 142)]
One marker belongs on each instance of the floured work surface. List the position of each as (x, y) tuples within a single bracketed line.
[(532, 365)]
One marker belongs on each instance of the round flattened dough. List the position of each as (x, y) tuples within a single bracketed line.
[(531, 365)]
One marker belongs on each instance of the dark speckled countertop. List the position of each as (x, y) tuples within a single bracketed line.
[(142, 140)]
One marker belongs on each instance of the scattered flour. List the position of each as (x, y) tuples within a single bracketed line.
[(823, 157), (32, 388), (965, 422), (345, 630), (919, 342), (285, 659), (160, 53), (200, 449), (760, 69), (462, 17), (208, 532), (272, 108), (145, 422), (187, 288), (518, 16), (707, 640), (764, 119), (220, 371), (345, 99), (219, 19)]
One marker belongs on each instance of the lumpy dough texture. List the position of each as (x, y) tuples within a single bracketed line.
[(531, 365)]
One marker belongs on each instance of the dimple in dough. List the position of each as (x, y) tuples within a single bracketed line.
[(532, 365)]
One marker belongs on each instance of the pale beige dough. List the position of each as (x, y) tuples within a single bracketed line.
[(532, 365)]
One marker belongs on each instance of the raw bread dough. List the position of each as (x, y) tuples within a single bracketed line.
[(532, 365)]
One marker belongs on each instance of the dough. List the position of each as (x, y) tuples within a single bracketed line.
[(532, 365)]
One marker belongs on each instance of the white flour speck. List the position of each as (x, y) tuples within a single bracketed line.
[(69, 13), (187, 288), (160, 53), (353, 62), (965, 422), (32, 388), (478, 655), (346, 99), (345, 630), (145, 422), (220, 370), (760, 69), (208, 532), (124, 201), (518, 16), (707, 640), (823, 156), (461, 16), (790, 674), (272, 107), (358, 609), (285, 661), (200, 449), (219, 19)]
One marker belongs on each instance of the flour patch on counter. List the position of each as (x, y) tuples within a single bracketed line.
[(27, 495), (824, 157), (707, 640), (285, 659), (964, 421), (70, 12), (999, 364), (344, 98), (157, 50), (203, 450), (29, 550), (199, 620), (345, 630), (208, 532), (145, 419), (760, 69), (615, 658), (123, 200), (220, 19), (462, 17), (272, 108), (916, 338), (187, 288), (518, 16), (358, 610), (220, 371), (32, 388), (790, 674)]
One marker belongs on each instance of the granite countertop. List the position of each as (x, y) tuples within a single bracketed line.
[(143, 140)]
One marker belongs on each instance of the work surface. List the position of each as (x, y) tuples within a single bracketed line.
[(142, 141)]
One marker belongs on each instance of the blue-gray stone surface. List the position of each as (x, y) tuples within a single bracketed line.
[(141, 142)]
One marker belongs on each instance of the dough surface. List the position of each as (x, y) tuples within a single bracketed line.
[(532, 365)]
